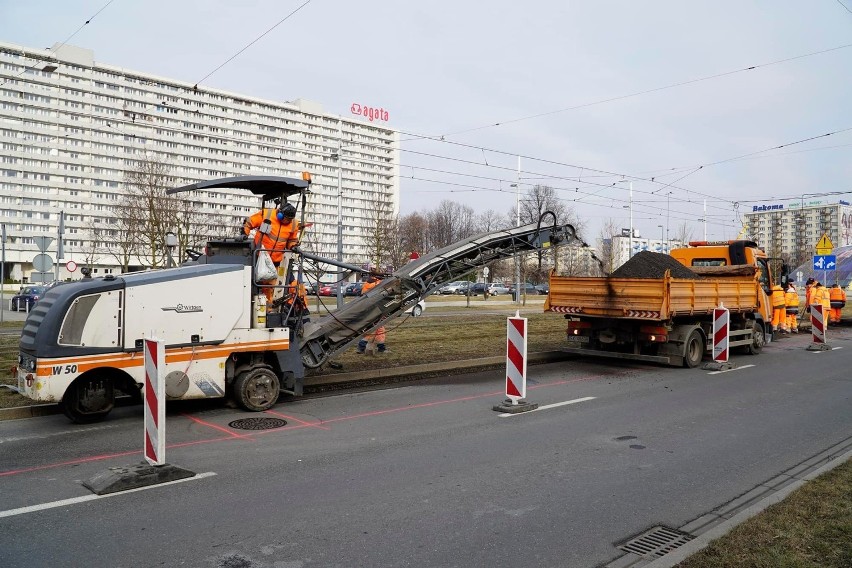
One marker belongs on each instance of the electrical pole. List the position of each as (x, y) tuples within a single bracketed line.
[(339, 207), (518, 224)]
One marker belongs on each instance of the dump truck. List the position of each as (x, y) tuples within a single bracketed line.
[(659, 308), (83, 342)]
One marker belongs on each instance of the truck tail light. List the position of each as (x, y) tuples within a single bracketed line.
[(577, 327), (654, 333)]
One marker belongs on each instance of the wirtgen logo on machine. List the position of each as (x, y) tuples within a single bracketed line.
[(183, 308)]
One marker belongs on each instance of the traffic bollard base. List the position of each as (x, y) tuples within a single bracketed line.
[(117, 479), (819, 347), (509, 407), (718, 366)]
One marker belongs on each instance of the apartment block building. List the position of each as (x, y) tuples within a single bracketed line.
[(71, 128), (792, 229)]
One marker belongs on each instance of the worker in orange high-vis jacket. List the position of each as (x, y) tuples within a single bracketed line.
[(377, 337), (779, 310), (791, 300), (809, 294), (837, 299), (276, 230), (821, 297)]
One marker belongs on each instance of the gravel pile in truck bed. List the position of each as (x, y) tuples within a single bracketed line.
[(647, 264)]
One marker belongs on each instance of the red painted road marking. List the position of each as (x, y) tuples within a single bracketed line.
[(302, 422), (232, 436)]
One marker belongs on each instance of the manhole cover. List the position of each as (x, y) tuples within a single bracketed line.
[(257, 423), (656, 542)]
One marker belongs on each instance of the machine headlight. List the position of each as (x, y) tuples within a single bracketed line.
[(31, 365)]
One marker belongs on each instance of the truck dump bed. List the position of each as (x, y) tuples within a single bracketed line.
[(650, 298)]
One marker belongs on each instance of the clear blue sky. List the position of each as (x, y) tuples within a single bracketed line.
[(452, 69)]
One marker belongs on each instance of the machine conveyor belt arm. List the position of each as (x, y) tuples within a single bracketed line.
[(405, 287)]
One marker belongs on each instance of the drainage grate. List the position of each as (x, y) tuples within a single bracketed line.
[(656, 542), (257, 423)]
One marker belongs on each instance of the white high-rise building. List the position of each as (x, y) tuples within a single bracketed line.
[(792, 229), (71, 127)]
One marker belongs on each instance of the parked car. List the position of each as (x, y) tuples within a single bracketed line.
[(353, 289), (328, 289), (310, 289), (27, 298), (463, 287), (495, 289), (479, 289), (417, 309), (452, 287), (528, 289), (543, 288)]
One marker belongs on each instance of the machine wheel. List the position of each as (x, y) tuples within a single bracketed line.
[(416, 311), (693, 349), (758, 339), (257, 389), (88, 399)]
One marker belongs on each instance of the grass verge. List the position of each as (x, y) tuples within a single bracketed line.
[(811, 528)]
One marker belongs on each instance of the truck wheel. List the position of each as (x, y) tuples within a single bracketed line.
[(758, 339), (88, 399), (693, 349), (256, 389)]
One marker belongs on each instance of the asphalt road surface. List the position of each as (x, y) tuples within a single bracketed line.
[(428, 474)]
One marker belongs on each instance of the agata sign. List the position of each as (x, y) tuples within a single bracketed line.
[(370, 112)]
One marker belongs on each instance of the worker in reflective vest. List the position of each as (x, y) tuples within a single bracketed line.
[(779, 310), (821, 297), (837, 299), (791, 300), (377, 337), (809, 294)]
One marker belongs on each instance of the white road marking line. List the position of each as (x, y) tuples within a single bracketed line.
[(729, 370), (547, 406), (84, 498)]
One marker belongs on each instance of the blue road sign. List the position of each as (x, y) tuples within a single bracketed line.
[(825, 262)]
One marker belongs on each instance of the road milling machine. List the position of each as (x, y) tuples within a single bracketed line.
[(82, 342)]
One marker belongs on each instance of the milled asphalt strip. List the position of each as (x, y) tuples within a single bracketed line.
[(680, 554), (85, 498), (547, 406)]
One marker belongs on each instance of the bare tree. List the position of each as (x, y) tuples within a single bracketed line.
[(538, 200), (606, 252), (122, 234), (489, 221), (380, 232), (146, 203), (413, 230), (449, 223), (683, 233)]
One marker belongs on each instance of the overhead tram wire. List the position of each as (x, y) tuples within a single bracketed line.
[(254, 41), (548, 176), (645, 92), (53, 50)]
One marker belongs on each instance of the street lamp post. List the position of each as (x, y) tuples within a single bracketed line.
[(171, 243), (339, 158), (517, 187), (630, 238), (662, 243)]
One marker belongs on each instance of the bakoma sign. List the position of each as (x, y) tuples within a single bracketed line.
[(369, 112)]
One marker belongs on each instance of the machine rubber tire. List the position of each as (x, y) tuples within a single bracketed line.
[(88, 399), (416, 311), (693, 349), (756, 346), (257, 389)]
